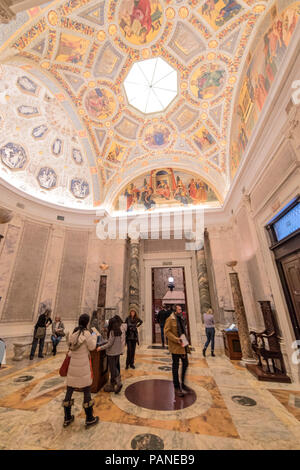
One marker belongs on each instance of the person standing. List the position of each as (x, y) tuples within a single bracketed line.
[(114, 348), (79, 375), (39, 334), (58, 332), (174, 329), (132, 337), (209, 324), (161, 318)]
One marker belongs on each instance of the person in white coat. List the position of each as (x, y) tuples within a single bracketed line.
[(79, 375)]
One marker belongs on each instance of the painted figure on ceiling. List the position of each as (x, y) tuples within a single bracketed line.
[(140, 19), (132, 194), (98, 103), (230, 9)]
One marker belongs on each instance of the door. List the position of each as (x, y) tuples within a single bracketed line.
[(291, 269)]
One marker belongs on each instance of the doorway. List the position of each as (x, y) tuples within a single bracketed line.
[(166, 294)]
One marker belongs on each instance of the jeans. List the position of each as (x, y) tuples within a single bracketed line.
[(34, 345), (131, 345), (113, 364), (175, 368), (55, 340), (86, 391), (210, 334)]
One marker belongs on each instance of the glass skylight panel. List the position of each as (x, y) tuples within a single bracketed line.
[(151, 85)]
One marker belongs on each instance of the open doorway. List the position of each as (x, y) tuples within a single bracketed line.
[(163, 295)]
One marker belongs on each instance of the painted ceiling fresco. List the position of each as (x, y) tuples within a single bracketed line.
[(67, 131)]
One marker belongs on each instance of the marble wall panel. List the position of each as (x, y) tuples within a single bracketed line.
[(25, 281), (71, 277)]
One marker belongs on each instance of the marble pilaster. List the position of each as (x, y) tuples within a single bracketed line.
[(134, 286), (205, 300), (247, 352)]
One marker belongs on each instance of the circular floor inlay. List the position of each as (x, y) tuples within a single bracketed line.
[(157, 395), (165, 368), (147, 442), (244, 401), (24, 378)]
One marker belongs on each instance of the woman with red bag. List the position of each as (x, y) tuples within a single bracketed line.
[(79, 375)]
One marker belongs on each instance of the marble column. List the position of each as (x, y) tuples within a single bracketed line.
[(247, 352), (205, 300), (134, 276)]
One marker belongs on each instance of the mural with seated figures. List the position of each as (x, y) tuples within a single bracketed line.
[(165, 188), (263, 63)]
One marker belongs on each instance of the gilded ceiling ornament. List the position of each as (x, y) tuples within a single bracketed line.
[(183, 12), (53, 18), (101, 35)]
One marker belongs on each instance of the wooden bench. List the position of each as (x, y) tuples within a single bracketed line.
[(20, 348)]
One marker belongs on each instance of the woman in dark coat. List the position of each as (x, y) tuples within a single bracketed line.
[(132, 336), (39, 334)]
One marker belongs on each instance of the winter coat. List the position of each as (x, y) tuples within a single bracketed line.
[(171, 333), (79, 371), (132, 326)]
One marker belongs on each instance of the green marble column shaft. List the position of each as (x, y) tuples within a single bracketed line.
[(134, 279), (242, 323), (205, 300)]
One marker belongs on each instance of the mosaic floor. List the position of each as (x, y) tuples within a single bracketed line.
[(231, 410)]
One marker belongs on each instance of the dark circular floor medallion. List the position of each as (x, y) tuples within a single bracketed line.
[(147, 442), (244, 401), (164, 359), (24, 378), (156, 394), (165, 368)]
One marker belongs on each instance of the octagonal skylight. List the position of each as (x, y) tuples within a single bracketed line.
[(151, 85)]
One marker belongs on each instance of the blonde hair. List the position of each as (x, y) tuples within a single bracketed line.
[(210, 311)]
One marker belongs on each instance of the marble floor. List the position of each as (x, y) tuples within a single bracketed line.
[(231, 410)]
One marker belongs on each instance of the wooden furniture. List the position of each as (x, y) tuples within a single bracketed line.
[(100, 370), (232, 345), (267, 348)]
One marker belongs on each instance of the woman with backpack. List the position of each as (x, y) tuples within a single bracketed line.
[(79, 375)]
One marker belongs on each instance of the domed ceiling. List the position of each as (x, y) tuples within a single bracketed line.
[(76, 128)]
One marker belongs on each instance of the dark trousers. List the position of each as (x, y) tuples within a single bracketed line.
[(113, 364), (131, 345), (87, 397), (175, 368), (162, 334), (34, 345), (210, 334)]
